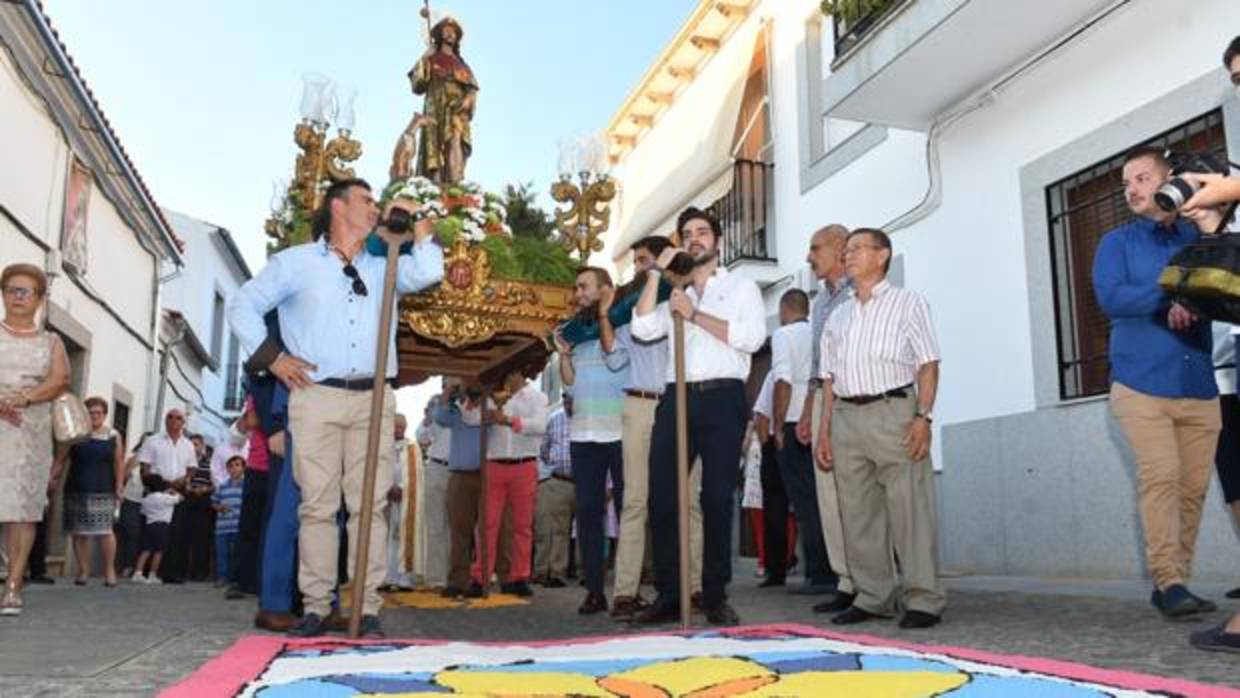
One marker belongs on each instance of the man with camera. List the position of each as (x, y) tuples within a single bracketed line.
[(724, 325), (329, 294), (1163, 392)]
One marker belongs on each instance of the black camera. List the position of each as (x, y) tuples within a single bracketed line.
[(400, 220), (1172, 195)]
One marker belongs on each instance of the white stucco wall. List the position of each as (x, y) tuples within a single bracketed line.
[(120, 272)]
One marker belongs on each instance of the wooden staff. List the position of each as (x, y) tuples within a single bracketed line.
[(377, 393), (484, 547), (682, 466)]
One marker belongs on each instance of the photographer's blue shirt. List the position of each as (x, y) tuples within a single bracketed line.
[(1146, 355), (466, 450)]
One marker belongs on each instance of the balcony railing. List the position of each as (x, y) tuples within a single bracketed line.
[(744, 213), (849, 32)]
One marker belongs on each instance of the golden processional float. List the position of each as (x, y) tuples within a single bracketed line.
[(501, 295)]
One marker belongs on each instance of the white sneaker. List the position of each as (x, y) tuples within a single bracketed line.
[(138, 578), (152, 579)]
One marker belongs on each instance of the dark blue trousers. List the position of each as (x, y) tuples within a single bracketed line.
[(591, 464)]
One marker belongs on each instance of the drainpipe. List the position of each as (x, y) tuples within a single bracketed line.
[(164, 361)]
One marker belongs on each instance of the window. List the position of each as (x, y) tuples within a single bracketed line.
[(233, 395), (1082, 208), (217, 327)]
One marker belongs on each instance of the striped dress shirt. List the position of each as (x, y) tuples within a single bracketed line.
[(872, 347)]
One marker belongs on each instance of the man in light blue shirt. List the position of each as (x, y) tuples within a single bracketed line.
[(329, 296)]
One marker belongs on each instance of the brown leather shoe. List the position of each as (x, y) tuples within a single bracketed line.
[(274, 621), (625, 607), (336, 621)]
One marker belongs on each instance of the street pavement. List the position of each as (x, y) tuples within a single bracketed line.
[(135, 640)]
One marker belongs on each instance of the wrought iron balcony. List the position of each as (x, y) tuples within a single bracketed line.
[(745, 211)]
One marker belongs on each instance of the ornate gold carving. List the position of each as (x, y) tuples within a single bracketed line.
[(587, 217), (468, 307)]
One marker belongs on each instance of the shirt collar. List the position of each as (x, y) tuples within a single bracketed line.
[(879, 289)]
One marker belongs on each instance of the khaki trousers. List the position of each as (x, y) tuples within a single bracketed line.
[(553, 524), (638, 421), (829, 511), (435, 515), (885, 502), (1173, 441), (329, 426)]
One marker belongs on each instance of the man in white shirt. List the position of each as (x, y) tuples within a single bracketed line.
[(875, 434), (791, 355), (434, 499), (166, 460), (724, 326), (514, 438)]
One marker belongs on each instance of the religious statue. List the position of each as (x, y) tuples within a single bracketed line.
[(451, 93)]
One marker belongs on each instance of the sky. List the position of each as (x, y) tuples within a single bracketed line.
[(204, 94)]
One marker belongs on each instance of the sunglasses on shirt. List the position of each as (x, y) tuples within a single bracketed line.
[(359, 286)]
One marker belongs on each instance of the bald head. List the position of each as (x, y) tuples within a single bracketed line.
[(826, 252)]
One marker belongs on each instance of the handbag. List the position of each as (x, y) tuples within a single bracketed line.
[(70, 422)]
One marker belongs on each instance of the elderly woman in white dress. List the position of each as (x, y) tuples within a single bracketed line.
[(33, 371)]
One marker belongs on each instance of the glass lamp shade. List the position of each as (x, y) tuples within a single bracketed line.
[(566, 163), (313, 85), (346, 116), (330, 105)]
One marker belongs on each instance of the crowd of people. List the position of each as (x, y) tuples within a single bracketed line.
[(834, 452)]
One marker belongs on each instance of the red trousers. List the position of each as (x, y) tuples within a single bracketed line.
[(755, 522), (513, 485)]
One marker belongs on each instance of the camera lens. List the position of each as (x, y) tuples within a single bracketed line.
[(1173, 194), (398, 220)]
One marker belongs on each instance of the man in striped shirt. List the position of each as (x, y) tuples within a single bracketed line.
[(597, 378), (880, 372)]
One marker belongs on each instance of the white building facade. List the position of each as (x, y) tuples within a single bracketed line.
[(72, 204), (203, 373), (986, 136)]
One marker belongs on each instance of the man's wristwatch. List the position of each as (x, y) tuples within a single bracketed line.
[(924, 414)]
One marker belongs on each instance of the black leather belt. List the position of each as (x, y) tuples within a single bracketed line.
[(703, 386), (902, 391), (643, 394), (511, 461), (366, 383)]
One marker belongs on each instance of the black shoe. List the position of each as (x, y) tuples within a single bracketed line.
[(1234, 593), (554, 583), (853, 616), (841, 602), (310, 625), (771, 582), (722, 614), (1176, 603), (594, 603), (451, 592), (370, 628), (474, 591), (40, 579), (1206, 605), (1216, 639), (916, 620), (658, 612), (521, 589)]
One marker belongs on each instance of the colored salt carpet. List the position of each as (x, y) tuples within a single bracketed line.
[(758, 661)]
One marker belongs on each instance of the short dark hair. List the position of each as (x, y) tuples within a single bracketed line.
[(694, 213), (96, 401), (883, 240), (654, 244), (1233, 50), (600, 275), (337, 190), (228, 463), (796, 300), (1159, 155)]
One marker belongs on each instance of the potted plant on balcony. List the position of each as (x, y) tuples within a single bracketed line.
[(853, 18)]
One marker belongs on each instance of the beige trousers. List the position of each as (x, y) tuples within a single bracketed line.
[(1173, 441), (329, 429), (886, 503), (829, 511), (553, 525), (638, 421)]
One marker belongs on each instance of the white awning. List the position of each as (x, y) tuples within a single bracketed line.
[(686, 159)]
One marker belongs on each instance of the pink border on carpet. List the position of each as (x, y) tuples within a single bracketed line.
[(229, 673)]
